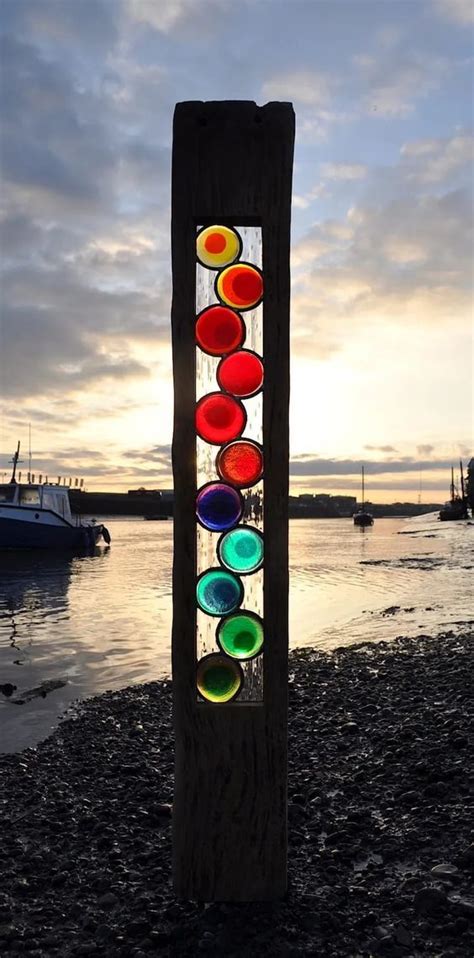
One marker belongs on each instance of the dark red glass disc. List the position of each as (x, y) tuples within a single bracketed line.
[(240, 463), (219, 330), (219, 418), (241, 373)]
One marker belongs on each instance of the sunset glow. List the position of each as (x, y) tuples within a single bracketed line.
[(382, 248)]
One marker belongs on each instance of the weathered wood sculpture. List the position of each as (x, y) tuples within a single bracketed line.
[(232, 169)]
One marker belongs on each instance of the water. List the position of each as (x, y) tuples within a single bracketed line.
[(71, 628)]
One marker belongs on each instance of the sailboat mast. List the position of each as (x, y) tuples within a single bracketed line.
[(363, 496), (15, 461), (452, 484), (463, 493)]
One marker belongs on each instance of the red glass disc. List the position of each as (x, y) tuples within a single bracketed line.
[(219, 418), (240, 463), (219, 330), (241, 373)]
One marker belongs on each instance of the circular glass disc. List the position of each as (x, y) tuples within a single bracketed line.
[(241, 373), (240, 463), (219, 679), (219, 418), (240, 286), (241, 550), (219, 330), (219, 592), (217, 246), (218, 506), (241, 635)]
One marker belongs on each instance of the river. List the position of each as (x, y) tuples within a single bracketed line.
[(73, 627)]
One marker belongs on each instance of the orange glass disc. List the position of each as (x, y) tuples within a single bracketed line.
[(240, 286), (217, 246), (219, 418), (240, 463)]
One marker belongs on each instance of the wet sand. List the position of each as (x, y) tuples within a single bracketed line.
[(381, 854)]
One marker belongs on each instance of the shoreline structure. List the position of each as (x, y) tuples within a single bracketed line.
[(381, 854), (153, 502)]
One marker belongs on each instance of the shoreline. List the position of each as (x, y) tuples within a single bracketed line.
[(380, 772)]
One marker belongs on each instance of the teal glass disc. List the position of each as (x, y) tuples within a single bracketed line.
[(241, 550), (219, 592), (241, 635)]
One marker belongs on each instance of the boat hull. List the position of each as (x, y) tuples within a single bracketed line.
[(363, 520), (36, 535)]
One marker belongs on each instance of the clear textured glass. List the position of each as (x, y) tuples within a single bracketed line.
[(206, 382)]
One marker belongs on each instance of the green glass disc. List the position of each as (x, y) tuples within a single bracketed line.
[(241, 635), (219, 679), (219, 592), (241, 550)]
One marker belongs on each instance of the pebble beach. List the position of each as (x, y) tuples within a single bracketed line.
[(381, 824)]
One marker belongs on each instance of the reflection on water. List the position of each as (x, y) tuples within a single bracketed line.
[(70, 628)]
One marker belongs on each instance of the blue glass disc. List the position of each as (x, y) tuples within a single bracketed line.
[(219, 592), (218, 506)]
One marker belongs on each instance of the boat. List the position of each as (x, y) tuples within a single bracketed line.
[(38, 516), (456, 507), (362, 517)]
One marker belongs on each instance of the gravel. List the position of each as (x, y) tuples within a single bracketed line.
[(381, 852)]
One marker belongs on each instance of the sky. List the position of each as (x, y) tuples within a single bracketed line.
[(381, 309)]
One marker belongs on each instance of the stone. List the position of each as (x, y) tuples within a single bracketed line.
[(109, 900), (445, 871), (403, 935), (429, 901), (462, 904)]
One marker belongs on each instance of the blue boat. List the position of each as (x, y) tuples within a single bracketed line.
[(38, 516)]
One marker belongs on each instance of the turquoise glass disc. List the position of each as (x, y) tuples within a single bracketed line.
[(219, 592), (241, 550)]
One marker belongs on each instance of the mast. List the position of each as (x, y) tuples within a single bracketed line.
[(15, 461), (452, 484), (463, 493), (462, 480), (363, 497)]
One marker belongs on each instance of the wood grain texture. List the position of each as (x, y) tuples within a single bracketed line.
[(232, 163)]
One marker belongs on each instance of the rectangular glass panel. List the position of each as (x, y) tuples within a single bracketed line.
[(206, 541)]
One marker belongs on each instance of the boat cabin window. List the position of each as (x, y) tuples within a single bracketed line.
[(49, 500), (7, 493), (29, 495)]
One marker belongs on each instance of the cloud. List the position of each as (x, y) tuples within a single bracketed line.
[(394, 83), (159, 454), (435, 160), (344, 171), (169, 15), (308, 87), (403, 262), (60, 139), (305, 466), (41, 355), (381, 448), (424, 449), (458, 11)]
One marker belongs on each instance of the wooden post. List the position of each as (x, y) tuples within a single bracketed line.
[(232, 165)]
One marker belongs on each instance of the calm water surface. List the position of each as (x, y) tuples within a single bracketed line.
[(70, 628)]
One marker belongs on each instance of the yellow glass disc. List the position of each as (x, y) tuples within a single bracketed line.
[(218, 246), (219, 678)]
